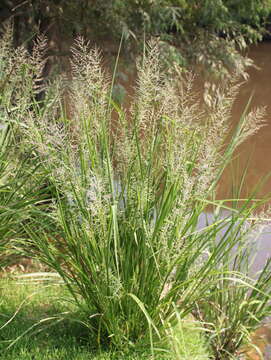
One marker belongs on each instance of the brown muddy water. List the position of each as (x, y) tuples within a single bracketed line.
[(255, 153)]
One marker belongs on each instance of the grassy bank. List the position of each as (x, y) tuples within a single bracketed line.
[(37, 306)]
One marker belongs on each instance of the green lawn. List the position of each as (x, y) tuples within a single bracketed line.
[(66, 339)]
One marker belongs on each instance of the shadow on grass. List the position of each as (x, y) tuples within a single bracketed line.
[(46, 339), (42, 339)]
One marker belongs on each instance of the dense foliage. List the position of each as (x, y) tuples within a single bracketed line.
[(205, 32)]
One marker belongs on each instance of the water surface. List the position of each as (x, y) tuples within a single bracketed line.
[(256, 151)]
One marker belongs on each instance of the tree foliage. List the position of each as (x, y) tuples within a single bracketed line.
[(204, 32)]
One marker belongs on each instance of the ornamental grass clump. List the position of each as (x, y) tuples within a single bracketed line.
[(130, 187), (16, 198), (20, 178)]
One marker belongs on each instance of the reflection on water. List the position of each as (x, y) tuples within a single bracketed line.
[(259, 242)]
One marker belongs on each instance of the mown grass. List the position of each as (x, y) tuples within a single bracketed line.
[(34, 302)]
